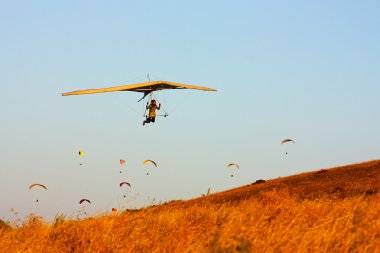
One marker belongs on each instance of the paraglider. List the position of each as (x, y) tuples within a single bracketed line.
[(287, 141), (84, 200), (125, 183), (234, 165), (122, 162), (150, 161), (84, 207), (37, 185), (147, 88), (81, 153)]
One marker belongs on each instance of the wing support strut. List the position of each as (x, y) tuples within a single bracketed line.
[(145, 94)]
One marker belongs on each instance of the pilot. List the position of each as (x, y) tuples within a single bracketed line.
[(152, 107)]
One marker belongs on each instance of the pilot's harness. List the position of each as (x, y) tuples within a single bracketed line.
[(149, 99)]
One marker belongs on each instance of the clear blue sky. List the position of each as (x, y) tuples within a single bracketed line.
[(304, 70)]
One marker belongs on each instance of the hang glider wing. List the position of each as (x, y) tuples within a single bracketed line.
[(146, 88)]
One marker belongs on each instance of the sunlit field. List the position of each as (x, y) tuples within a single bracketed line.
[(333, 210)]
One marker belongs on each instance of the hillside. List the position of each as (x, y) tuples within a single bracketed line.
[(344, 181), (330, 210)]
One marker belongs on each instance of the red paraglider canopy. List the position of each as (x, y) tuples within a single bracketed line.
[(123, 183), (84, 200)]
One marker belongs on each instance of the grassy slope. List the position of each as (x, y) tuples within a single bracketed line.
[(333, 211)]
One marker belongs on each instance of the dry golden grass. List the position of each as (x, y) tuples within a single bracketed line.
[(333, 211)]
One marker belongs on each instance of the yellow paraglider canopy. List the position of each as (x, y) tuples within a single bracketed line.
[(150, 161), (233, 164)]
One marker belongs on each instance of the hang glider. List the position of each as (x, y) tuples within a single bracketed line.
[(145, 88)]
